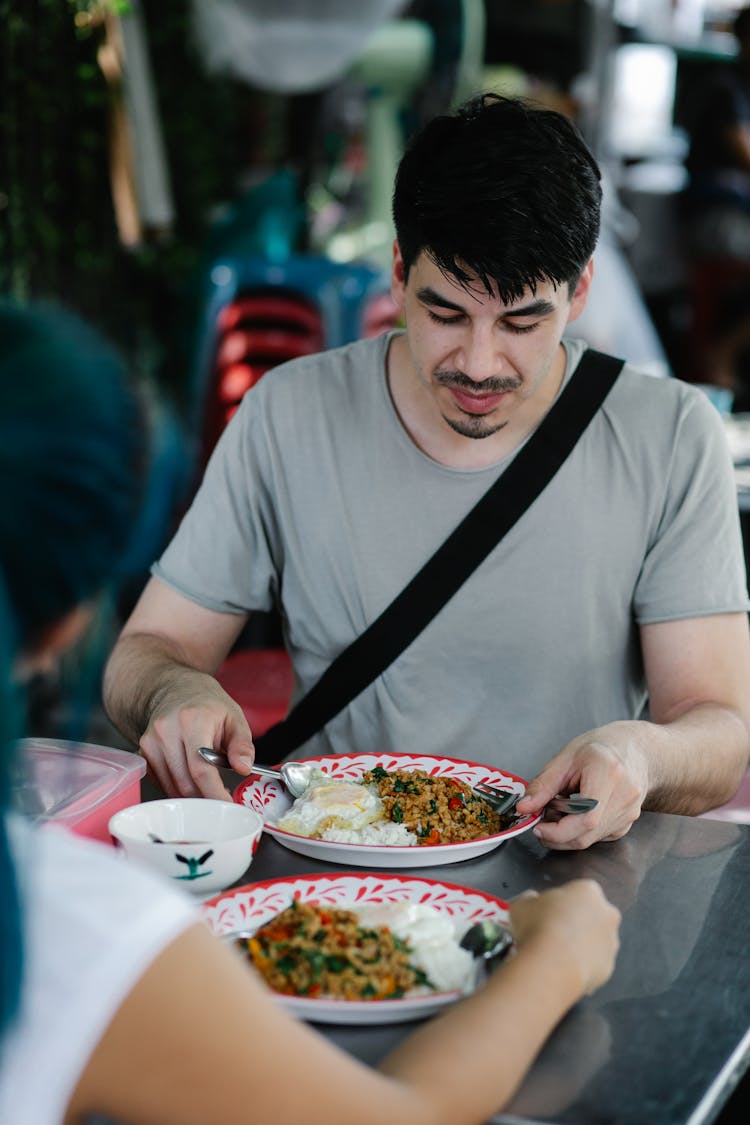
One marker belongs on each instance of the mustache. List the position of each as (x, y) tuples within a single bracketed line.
[(492, 386)]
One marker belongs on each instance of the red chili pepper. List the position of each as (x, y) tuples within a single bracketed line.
[(456, 803)]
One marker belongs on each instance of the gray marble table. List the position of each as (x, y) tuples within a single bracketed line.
[(666, 1040)]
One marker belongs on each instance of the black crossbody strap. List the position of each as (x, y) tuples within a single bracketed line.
[(435, 584)]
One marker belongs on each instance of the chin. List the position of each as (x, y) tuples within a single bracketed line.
[(474, 428)]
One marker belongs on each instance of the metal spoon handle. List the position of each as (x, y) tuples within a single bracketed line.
[(216, 758), (573, 804)]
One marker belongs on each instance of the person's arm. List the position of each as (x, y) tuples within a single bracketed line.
[(689, 757), (200, 1038), (159, 691)]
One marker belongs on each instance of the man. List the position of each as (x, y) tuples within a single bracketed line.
[(343, 473)]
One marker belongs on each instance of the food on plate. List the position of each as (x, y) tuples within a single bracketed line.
[(438, 810), (332, 809), (368, 952), (396, 807)]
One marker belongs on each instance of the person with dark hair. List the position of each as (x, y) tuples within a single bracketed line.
[(115, 1000), (622, 583), (549, 189), (56, 554)]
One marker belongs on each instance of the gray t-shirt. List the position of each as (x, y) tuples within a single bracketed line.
[(316, 500)]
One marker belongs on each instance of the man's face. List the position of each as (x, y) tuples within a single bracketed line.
[(480, 361)]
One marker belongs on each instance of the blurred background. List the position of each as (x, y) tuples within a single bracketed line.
[(209, 183)]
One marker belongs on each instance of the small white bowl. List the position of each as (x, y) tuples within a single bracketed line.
[(207, 845)]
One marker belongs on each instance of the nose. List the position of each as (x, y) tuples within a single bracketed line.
[(479, 356)]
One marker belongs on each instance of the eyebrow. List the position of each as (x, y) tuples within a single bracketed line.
[(539, 307)]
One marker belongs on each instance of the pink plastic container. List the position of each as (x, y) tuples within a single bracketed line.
[(76, 785)]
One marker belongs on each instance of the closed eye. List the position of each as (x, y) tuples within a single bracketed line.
[(443, 319), (511, 326)]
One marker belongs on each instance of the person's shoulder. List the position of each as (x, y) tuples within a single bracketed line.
[(641, 387), (63, 868), (320, 381), (659, 405), (342, 362), (670, 393), (632, 383)]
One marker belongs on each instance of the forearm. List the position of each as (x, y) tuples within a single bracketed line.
[(140, 670), (218, 1039), (442, 1063), (696, 761)]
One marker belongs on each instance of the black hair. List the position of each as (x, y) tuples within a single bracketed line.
[(72, 442), (501, 190)]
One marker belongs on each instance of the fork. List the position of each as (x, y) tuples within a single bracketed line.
[(504, 800)]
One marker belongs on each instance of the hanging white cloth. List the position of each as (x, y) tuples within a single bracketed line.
[(286, 46)]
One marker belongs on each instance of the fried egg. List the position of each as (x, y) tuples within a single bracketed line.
[(333, 804)]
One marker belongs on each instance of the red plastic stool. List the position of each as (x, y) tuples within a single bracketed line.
[(261, 681)]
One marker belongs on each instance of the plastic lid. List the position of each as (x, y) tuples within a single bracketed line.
[(54, 779)]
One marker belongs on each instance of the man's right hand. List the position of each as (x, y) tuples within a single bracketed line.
[(191, 712), (159, 691), (195, 711)]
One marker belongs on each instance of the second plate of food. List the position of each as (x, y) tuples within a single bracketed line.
[(357, 949), (387, 810)]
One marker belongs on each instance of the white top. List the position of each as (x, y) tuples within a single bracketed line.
[(94, 921), (317, 500)]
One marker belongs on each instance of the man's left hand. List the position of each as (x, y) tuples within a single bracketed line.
[(609, 764)]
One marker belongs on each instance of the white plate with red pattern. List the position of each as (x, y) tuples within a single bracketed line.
[(271, 800), (250, 907)]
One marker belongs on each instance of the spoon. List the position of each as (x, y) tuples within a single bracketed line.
[(489, 940), (295, 776)]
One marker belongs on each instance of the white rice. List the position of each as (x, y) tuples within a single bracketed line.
[(433, 936), (381, 832)]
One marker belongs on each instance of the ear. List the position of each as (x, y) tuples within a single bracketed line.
[(398, 278), (581, 292)]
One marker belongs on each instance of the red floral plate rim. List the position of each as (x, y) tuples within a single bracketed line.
[(254, 904), (270, 799)]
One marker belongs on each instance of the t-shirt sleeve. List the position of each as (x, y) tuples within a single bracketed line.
[(94, 922), (695, 566), (224, 555)]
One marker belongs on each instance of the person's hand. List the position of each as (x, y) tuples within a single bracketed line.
[(195, 711), (608, 763), (576, 923)]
